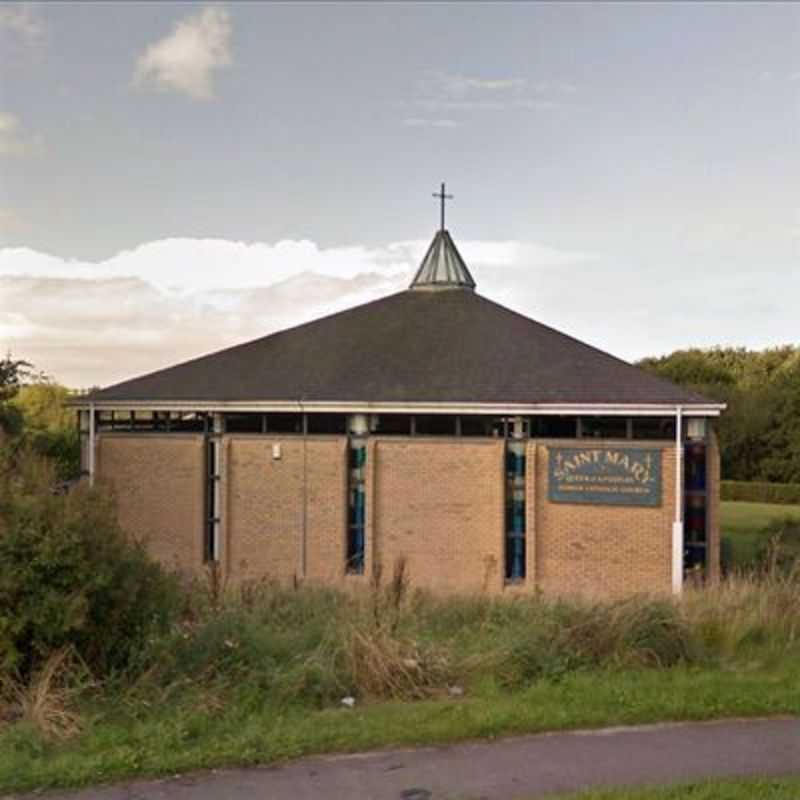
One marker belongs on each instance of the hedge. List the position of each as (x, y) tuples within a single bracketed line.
[(757, 492)]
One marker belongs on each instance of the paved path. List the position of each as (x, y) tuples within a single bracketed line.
[(523, 767)]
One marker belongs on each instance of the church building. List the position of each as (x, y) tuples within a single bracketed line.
[(484, 451)]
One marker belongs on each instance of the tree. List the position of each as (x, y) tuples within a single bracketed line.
[(759, 433), (13, 372)]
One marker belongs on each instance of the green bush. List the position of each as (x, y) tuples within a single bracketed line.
[(63, 448), (759, 492), (68, 576), (564, 637), (265, 641)]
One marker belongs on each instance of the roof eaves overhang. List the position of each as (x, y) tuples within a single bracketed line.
[(352, 407)]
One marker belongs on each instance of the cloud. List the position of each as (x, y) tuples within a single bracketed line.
[(185, 60), (96, 323), (440, 92), (23, 22), (88, 323), (462, 84), (14, 140)]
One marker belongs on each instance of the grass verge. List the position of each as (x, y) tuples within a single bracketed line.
[(188, 733), (739, 789), (743, 525), (259, 678)]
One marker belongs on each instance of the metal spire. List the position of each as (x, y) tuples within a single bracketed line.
[(442, 197)]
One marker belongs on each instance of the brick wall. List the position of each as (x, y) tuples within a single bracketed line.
[(265, 515), (439, 504), (599, 550), (158, 481)]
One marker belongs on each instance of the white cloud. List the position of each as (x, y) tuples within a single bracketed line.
[(185, 60), (22, 21), (456, 93), (461, 84), (95, 323)]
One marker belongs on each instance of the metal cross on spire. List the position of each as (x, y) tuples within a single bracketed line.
[(442, 197)]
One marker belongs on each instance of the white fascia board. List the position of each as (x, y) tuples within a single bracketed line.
[(509, 409)]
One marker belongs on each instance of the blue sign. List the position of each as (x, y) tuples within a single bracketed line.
[(607, 476)]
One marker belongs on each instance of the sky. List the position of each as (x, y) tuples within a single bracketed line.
[(176, 178)]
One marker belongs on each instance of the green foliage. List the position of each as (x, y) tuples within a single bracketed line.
[(13, 372), (33, 412), (267, 642), (68, 576), (760, 432), (569, 637), (48, 425), (257, 675), (760, 492), (714, 789), (43, 405)]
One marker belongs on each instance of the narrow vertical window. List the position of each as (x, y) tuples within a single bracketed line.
[(515, 502), (695, 496), (356, 494), (212, 500)]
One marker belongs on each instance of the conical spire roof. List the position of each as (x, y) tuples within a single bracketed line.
[(442, 267)]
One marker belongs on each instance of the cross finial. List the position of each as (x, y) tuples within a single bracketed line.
[(442, 197)]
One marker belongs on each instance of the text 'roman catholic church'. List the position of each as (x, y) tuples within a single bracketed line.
[(434, 427)]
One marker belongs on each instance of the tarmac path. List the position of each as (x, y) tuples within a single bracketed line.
[(504, 769)]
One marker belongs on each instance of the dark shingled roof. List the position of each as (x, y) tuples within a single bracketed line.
[(446, 346)]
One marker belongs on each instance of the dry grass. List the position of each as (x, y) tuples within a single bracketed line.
[(758, 607), (384, 666), (47, 700)]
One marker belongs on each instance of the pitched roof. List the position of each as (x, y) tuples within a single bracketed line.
[(413, 347), (442, 267)]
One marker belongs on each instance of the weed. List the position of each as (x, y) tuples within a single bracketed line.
[(47, 700)]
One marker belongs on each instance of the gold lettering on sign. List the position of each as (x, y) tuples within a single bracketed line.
[(607, 472)]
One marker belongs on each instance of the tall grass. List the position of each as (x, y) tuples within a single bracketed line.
[(261, 645), (314, 646), (755, 608)]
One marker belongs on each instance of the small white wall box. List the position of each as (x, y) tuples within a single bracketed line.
[(276, 452)]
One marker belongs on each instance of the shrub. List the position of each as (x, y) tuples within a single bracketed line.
[(63, 448), (69, 577), (568, 636), (760, 492), (267, 642)]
